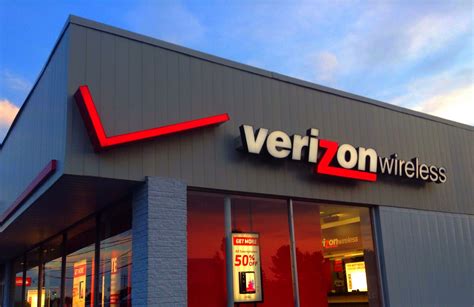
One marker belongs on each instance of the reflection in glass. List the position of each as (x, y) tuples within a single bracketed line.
[(52, 260), (116, 264), (206, 250), (32, 280), (314, 280), (17, 285), (79, 279), (269, 218), (44, 265), (335, 255), (115, 288)]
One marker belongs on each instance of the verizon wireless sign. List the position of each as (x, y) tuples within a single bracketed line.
[(334, 159)]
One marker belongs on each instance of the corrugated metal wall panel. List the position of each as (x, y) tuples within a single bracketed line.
[(428, 257), (138, 85), (39, 132)]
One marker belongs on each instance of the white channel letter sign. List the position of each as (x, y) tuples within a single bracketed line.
[(337, 160), (246, 267)]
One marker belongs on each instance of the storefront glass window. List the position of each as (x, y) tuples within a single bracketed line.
[(17, 286), (32, 280), (84, 282), (335, 256), (79, 279), (206, 250), (268, 218), (52, 260), (314, 280), (115, 283), (2, 282)]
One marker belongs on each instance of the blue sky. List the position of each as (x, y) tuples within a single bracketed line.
[(416, 54)]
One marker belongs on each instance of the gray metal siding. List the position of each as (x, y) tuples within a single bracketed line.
[(39, 132), (138, 85), (428, 257)]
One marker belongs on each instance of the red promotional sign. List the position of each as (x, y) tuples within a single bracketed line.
[(114, 299), (246, 241), (246, 270), (80, 270), (19, 281)]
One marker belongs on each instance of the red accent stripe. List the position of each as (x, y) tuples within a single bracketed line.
[(324, 167), (49, 169), (101, 141)]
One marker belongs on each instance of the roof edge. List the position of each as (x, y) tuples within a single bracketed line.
[(43, 69), (259, 71), (80, 21)]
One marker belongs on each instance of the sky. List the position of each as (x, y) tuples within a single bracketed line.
[(414, 54)]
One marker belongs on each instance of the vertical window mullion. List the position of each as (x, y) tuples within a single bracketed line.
[(96, 288), (228, 250), (294, 267), (40, 275), (23, 286), (378, 248), (63, 270)]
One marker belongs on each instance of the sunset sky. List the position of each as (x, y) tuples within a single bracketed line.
[(415, 54)]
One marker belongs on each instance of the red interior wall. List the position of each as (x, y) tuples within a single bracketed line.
[(270, 219), (206, 252), (314, 278)]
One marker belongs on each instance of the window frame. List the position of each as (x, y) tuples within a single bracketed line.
[(63, 246), (374, 222)]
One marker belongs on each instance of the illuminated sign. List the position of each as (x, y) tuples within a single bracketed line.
[(341, 238), (79, 284), (356, 277), (114, 280), (32, 297), (19, 281), (101, 141), (246, 268), (334, 243), (336, 160)]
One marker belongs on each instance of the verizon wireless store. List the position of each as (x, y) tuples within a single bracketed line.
[(143, 173)]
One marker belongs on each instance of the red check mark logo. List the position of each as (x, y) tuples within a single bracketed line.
[(101, 141)]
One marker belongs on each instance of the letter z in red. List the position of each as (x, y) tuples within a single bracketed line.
[(101, 141), (323, 166)]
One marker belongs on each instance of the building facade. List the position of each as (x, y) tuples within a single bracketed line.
[(142, 173)]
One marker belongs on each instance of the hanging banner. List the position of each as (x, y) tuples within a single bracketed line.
[(79, 284), (246, 268)]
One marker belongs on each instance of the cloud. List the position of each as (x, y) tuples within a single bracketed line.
[(326, 66), (169, 21), (433, 32), (456, 105), (412, 54), (15, 82), (360, 47), (8, 112), (389, 35), (449, 94)]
